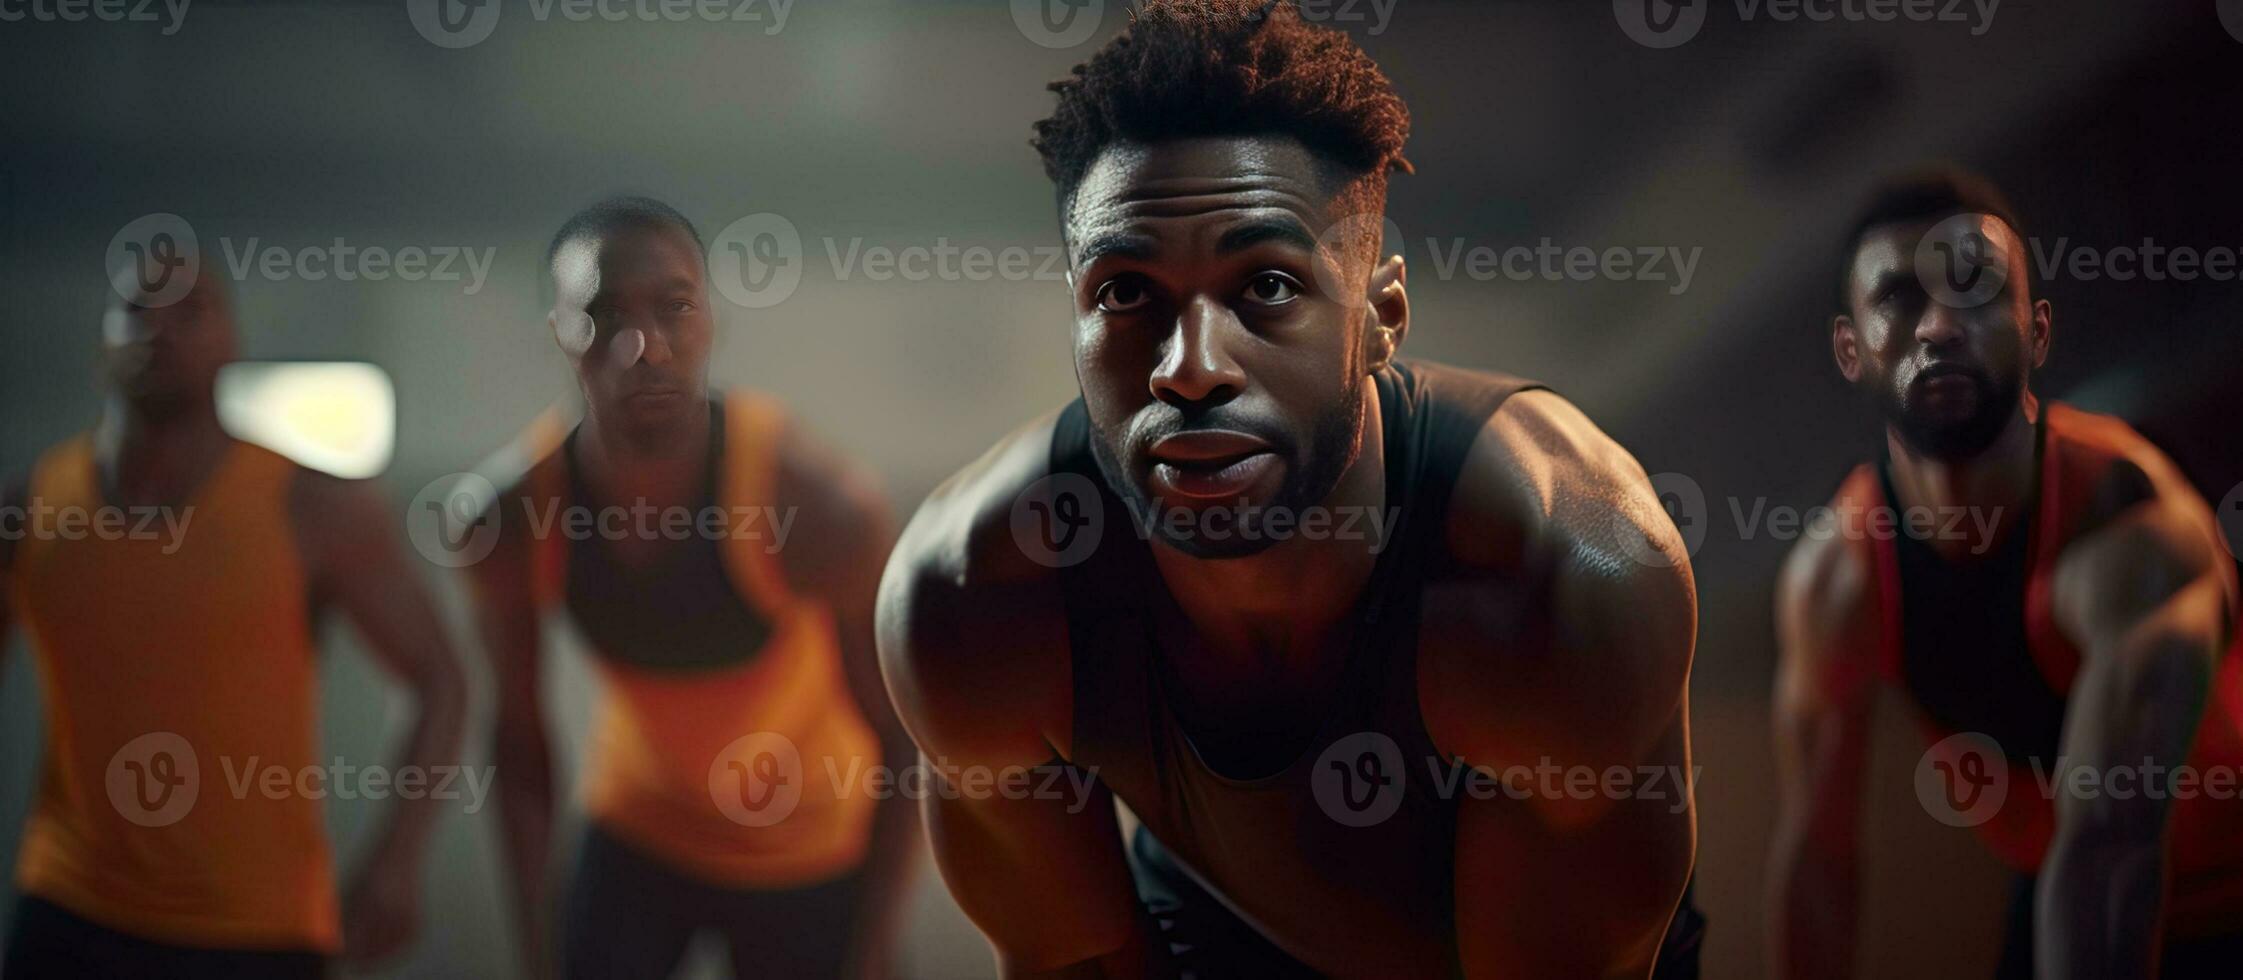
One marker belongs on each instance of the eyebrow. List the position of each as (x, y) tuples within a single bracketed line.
[(1286, 230), (1128, 245)]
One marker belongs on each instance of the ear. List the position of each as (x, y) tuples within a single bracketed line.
[(1845, 347), (1387, 320), (2037, 331)]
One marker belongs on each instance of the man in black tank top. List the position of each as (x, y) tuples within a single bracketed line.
[(1387, 660)]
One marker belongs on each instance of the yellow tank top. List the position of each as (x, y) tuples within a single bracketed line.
[(728, 774), (170, 679)]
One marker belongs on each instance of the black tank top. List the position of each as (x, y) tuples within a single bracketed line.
[(1965, 659), (681, 612), (1382, 892)]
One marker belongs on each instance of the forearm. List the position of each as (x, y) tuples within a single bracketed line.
[(524, 785), (432, 748), (1814, 902), (2098, 909)]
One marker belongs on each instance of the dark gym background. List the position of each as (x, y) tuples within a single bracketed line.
[(901, 123)]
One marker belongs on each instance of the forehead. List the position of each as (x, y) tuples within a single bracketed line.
[(1891, 246), (1151, 188), (628, 257)]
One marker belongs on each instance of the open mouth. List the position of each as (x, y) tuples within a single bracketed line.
[(1211, 465)]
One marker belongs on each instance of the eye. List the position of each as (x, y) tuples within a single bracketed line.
[(680, 306), (1123, 294), (1273, 289)]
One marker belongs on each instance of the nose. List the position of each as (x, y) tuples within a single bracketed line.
[(1939, 326), (1196, 369), (658, 352)]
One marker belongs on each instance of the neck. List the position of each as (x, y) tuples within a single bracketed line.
[(155, 450), (1286, 599), (1997, 480), (617, 454)]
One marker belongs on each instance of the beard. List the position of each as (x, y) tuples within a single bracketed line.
[(1335, 437), (1952, 439)]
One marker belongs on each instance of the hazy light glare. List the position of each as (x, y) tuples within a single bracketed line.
[(339, 418)]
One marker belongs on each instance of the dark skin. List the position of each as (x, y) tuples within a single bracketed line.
[(2140, 596), (632, 311), (1211, 244), (159, 439)]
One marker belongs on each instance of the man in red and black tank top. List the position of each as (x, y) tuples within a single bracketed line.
[(2048, 594)]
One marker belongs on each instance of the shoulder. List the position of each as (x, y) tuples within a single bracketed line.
[(1551, 512), (1827, 614), (2142, 530), (817, 478), (972, 629), (1542, 483)]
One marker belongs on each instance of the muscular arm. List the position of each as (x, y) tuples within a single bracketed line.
[(358, 566), (506, 622), (2144, 601), (1822, 731), (975, 655), (1550, 508), (838, 546)]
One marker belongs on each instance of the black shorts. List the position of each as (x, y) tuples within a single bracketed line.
[(46, 941), (1210, 942), (2207, 958), (630, 916)]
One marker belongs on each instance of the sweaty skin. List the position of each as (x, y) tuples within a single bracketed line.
[(1200, 289), (632, 312), (2141, 596), (159, 438)]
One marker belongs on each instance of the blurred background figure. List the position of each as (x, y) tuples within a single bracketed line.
[(2043, 588), (169, 578), (723, 567), (886, 129)]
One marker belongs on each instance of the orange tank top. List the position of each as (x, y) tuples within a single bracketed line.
[(749, 774), (2206, 832), (174, 668)]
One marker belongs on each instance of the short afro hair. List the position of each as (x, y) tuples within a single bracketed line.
[(617, 214), (1186, 68), (1931, 194)]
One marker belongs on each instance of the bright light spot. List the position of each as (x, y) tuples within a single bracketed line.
[(339, 418)]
